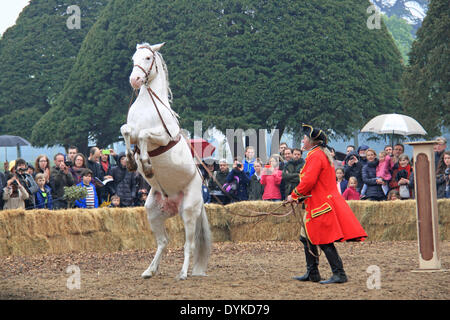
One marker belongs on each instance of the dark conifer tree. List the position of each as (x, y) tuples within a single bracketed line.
[(233, 64), (426, 85)]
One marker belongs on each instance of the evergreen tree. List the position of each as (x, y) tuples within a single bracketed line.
[(425, 93), (36, 57), (233, 64), (401, 31)]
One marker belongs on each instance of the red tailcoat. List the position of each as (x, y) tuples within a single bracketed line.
[(328, 216)]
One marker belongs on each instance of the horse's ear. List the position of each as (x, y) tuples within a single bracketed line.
[(158, 46)]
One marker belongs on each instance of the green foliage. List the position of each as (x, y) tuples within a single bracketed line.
[(233, 64), (36, 57), (74, 193), (401, 32), (426, 88)]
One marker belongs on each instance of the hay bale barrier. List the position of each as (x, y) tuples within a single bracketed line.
[(109, 230)]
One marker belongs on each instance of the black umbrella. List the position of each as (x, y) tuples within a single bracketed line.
[(13, 141)]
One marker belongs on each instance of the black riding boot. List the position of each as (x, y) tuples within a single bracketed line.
[(336, 265), (312, 263)]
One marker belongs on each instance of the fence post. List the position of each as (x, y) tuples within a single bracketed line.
[(426, 206)]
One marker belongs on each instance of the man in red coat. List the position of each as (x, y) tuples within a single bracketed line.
[(328, 217)]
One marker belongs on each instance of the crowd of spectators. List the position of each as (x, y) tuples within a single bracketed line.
[(40, 185), (364, 174)]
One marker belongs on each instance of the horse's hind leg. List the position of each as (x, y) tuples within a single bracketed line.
[(192, 215), (156, 219)]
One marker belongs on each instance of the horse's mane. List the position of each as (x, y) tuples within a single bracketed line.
[(166, 71)]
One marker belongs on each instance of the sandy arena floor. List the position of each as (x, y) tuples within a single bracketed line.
[(247, 271)]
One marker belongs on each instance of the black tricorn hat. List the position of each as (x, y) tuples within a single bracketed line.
[(314, 133)]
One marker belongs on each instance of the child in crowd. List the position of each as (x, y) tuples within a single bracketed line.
[(341, 182), (43, 195), (400, 177), (91, 200), (115, 201), (350, 192), (384, 170), (393, 195)]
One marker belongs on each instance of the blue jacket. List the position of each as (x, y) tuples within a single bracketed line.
[(244, 180), (82, 203), (344, 184), (249, 167), (40, 199), (369, 175)]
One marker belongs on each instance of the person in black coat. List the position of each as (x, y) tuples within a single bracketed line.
[(353, 168), (93, 164), (369, 174), (244, 180), (2, 185), (106, 168), (124, 182)]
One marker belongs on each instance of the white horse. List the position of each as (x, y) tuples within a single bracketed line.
[(164, 159)]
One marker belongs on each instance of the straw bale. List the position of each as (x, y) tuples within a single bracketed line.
[(113, 229), (270, 228)]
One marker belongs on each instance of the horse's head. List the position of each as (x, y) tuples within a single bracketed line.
[(144, 64)]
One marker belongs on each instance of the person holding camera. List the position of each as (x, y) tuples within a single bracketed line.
[(237, 173), (27, 181), (14, 194), (443, 176), (60, 177)]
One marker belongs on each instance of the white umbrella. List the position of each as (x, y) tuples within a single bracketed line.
[(393, 123)]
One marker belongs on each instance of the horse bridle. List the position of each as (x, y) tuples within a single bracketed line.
[(147, 73), (150, 91)]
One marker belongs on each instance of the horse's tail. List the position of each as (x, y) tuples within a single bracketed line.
[(202, 243)]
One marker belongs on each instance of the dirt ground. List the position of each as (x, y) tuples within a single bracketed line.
[(249, 271)]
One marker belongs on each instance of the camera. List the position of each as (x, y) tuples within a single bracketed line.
[(15, 183), (106, 151), (68, 163), (21, 171), (239, 165)]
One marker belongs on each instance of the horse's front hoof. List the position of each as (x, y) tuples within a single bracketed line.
[(148, 172), (182, 276), (147, 274), (131, 164)]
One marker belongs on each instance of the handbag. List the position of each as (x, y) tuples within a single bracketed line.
[(404, 191)]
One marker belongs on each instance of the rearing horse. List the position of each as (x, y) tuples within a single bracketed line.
[(164, 159)]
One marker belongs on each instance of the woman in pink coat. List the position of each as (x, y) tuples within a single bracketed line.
[(271, 180)]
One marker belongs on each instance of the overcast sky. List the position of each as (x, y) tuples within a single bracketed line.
[(9, 11)]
